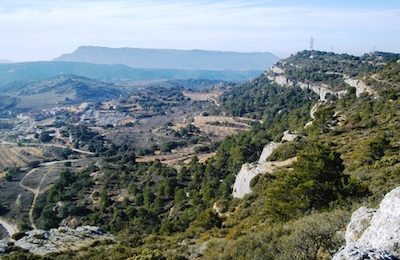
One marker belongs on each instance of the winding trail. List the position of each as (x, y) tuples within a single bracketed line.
[(212, 99), (383, 81), (36, 192), (35, 198), (58, 162), (10, 228), (21, 184)]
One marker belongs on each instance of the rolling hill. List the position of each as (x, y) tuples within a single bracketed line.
[(62, 89)]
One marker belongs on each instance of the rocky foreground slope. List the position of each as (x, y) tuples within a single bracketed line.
[(374, 233), (55, 240)]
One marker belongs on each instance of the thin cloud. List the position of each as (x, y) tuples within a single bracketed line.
[(44, 29)]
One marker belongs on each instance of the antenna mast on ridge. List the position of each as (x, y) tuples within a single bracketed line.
[(311, 43)]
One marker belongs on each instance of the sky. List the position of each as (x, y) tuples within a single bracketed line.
[(45, 29)]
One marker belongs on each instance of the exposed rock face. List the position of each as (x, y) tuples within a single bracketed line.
[(313, 110), (374, 234), (267, 151), (322, 90), (241, 187), (42, 242), (248, 171), (360, 221), (277, 75), (360, 86)]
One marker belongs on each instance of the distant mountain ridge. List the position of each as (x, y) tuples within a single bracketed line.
[(172, 59), (28, 71)]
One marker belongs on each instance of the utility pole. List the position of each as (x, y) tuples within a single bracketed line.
[(311, 43)]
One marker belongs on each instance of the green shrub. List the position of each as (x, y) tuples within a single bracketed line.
[(207, 220), (311, 237), (316, 180)]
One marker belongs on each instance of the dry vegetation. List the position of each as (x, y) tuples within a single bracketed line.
[(215, 127), (18, 156), (222, 126), (172, 159), (212, 96)]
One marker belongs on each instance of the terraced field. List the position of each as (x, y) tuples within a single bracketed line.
[(212, 96), (222, 126), (174, 158), (18, 156)]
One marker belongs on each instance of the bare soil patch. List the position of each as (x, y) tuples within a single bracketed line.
[(222, 126)]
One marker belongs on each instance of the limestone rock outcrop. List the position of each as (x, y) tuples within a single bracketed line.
[(360, 86), (241, 187), (374, 234), (41, 242), (277, 75)]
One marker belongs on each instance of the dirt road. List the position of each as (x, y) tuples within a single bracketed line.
[(36, 192), (49, 145)]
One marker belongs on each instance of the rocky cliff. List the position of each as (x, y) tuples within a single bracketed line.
[(278, 76), (248, 171), (374, 233)]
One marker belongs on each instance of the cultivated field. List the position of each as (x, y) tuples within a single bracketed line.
[(222, 126), (11, 155), (212, 96), (215, 127), (16, 199), (174, 158)]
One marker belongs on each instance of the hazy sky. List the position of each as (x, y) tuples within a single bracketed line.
[(44, 29)]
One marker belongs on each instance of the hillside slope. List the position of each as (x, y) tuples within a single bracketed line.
[(346, 157), (329, 74), (63, 89)]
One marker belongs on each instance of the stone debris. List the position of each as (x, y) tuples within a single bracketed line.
[(41, 242)]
